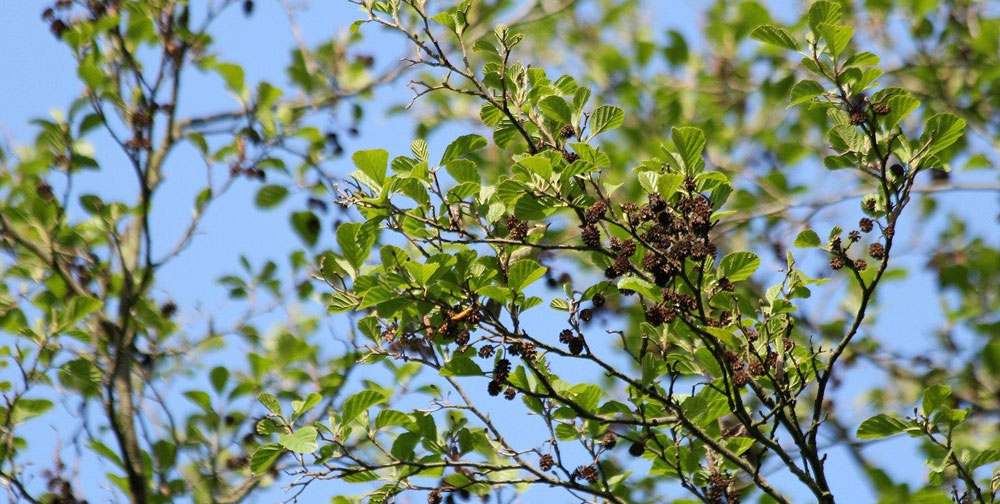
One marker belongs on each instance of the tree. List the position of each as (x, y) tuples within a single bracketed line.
[(626, 240)]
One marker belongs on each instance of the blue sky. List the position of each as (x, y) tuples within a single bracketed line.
[(39, 76)]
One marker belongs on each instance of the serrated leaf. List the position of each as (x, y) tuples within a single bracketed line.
[(524, 273), (556, 109), (303, 440), (774, 36), (804, 91), (461, 146), (388, 417), (263, 457), (807, 239), (881, 426), (941, 131), (836, 37), (900, 106), (690, 142), (303, 406), (739, 265), (560, 304), (605, 118), (270, 402), (823, 13), (419, 149), (374, 163), (360, 402), (646, 289), (461, 366), (934, 398)]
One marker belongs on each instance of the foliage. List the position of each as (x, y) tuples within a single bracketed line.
[(614, 243)]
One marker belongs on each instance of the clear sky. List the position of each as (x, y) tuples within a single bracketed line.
[(38, 74)]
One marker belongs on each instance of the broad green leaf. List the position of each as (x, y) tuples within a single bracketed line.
[(900, 106), (303, 440), (461, 146), (26, 408), (934, 398), (419, 149), (523, 273), (690, 142), (605, 118), (270, 196), (461, 366), (270, 402), (881, 426), (218, 376), (374, 163), (307, 225), (774, 36), (646, 289), (388, 417), (303, 406), (556, 109), (739, 265), (264, 456), (76, 310), (807, 239), (836, 37), (823, 12), (360, 402), (350, 246), (804, 91), (941, 131), (233, 75)]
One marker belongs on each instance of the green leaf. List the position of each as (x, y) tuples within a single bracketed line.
[(538, 164), (900, 106), (774, 36), (739, 265), (218, 377), (804, 91), (301, 407), (935, 397), (836, 37), (556, 109), (991, 356), (307, 225), (303, 440), (881, 426), (823, 13), (25, 409), (374, 163), (523, 273), (461, 146), (690, 142), (461, 366), (605, 118), (263, 457), (941, 131), (270, 196), (807, 239), (419, 149), (270, 402), (646, 289), (356, 240), (360, 402), (75, 311), (389, 417), (233, 75)]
